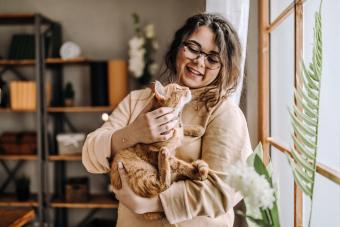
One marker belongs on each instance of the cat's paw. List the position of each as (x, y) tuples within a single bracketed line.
[(202, 169)]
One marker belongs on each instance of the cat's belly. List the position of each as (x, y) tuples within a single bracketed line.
[(142, 176)]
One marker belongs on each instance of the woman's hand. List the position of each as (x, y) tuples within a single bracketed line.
[(149, 127), (154, 126), (131, 200)]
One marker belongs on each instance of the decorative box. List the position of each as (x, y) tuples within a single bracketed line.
[(18, 143), (70, 143), (23, 95), (77, 189)]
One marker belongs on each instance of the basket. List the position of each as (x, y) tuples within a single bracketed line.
[(70, 143)]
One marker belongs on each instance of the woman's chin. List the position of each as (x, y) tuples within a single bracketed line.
[(191, 81)]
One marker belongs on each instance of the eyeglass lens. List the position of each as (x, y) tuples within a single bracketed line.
[(193, 51)]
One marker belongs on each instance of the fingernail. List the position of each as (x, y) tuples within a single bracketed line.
[(120, 165)]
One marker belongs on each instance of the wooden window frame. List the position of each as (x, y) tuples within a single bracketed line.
[(265, 29)]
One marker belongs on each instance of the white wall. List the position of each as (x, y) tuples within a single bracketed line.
[(252, 74)]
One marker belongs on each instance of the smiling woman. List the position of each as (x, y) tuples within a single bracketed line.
[(204, 56)]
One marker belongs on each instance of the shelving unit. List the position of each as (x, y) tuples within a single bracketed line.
[(44, 200), (10, 200), (19, 157), (48, 61), (95, 201), (75, 109)]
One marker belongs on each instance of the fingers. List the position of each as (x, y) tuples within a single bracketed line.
[(165, 118), (167, 127), (165, 137), (160, 112)]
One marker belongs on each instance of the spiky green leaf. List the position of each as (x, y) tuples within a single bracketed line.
[(305, 117)]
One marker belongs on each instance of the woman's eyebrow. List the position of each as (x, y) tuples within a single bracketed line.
[(198, 44)]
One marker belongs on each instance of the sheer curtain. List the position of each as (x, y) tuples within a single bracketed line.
[(237, 12)]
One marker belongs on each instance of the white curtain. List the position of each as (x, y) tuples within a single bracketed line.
[(237, 12)]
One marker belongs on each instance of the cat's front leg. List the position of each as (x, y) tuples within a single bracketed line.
[(164, 167)]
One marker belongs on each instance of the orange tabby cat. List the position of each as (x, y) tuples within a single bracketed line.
[(151, 168)]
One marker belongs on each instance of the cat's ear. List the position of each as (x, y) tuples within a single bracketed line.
[(159, 90)]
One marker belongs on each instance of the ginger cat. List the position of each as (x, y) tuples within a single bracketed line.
[(151, 168)]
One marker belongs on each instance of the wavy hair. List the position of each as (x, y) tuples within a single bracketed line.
[(228, 43)]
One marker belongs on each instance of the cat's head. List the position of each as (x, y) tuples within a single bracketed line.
[(171, 95)]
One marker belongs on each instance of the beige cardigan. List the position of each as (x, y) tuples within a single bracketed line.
[(225, 141)]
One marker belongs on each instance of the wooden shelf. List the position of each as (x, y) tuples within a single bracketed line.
[(30, 157), (16, 216), (76, 157), (95, 201), (80, 109), (76, 109), (21, 19), (9, 110), (48, 61), (10, 200)]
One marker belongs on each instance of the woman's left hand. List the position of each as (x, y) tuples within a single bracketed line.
[(131, 200)]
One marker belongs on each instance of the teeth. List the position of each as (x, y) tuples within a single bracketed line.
[(194, 71)]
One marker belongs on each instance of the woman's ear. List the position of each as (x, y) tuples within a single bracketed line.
[(159, 90)]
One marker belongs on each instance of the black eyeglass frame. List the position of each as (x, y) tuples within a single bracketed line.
[(186, 45)]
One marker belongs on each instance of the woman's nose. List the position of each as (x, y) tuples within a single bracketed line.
[(200, 60)]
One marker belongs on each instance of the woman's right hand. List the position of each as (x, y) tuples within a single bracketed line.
[(154, 126)]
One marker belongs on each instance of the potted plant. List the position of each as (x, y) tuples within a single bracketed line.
[(69, 95), (22, 186)]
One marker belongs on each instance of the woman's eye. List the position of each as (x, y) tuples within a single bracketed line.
[(213, 59), (193, 49)]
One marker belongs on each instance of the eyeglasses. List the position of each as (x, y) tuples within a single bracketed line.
[(193, 51)]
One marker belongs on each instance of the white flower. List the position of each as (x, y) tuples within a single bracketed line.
[(153, 67), (136, 66), (254, 187), (155, 45), (136, 56), (149, 31), (136, 42)]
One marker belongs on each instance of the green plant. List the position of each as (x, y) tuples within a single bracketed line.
[(142, 48), (268, 216), (305, 117), (69, 91)]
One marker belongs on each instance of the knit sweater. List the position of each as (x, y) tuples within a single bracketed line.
[(224, 141)]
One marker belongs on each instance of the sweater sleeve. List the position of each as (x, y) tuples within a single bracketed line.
[(225, 142), (97, 147)]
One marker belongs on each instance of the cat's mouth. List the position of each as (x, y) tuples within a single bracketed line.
[(193, 71)]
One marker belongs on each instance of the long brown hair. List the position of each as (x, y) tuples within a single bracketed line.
[(228, 43)]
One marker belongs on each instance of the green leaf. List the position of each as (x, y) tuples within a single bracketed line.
[(310, 112), (261, 169), (305, 118), (300, 160), (306, 129), (302, 148), (305, 140), (258, 151)]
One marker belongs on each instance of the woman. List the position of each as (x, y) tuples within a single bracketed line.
[(204, 56)]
